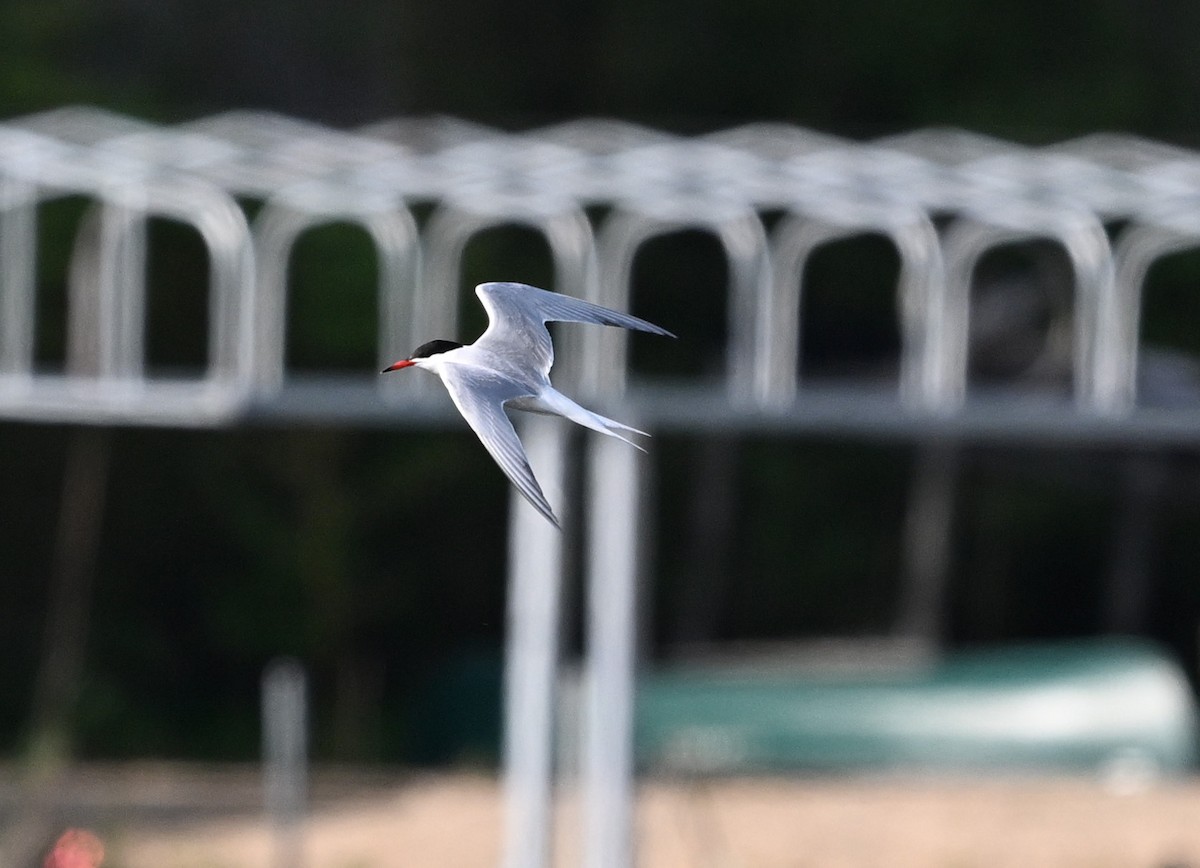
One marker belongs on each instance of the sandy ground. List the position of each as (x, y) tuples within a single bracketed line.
[(182, 818)]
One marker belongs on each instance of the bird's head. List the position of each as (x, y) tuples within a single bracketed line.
[(424, 351)]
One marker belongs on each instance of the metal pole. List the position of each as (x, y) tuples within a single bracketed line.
[(531, 655), (612, 560), (285, 757), (18, 278)]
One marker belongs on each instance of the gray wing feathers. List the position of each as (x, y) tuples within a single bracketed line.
[(530, 302), (519, 313), (481, 403)]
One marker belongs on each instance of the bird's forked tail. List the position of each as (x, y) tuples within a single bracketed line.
[(558, 404)]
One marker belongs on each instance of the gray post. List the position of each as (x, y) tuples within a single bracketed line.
[(612, 561), (285, 757), (531, 654)]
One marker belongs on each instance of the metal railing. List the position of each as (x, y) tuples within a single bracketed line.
[(943, 198)]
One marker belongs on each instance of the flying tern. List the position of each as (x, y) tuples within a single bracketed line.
[(509, 366)]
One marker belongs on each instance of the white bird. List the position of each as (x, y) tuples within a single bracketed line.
[(509, 365)]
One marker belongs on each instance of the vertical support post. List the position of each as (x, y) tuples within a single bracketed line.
[(531, 655), (612, 561), (928, 544), (285, 757), (18, 255)]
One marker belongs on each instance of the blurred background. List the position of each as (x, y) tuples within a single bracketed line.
[(375, 552)]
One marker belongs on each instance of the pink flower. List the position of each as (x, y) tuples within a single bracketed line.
[(77, 848)]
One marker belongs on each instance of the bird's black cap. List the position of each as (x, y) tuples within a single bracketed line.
[(433, 348)]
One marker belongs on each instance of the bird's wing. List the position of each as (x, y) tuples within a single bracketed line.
[(480, 394), (517, 317)]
